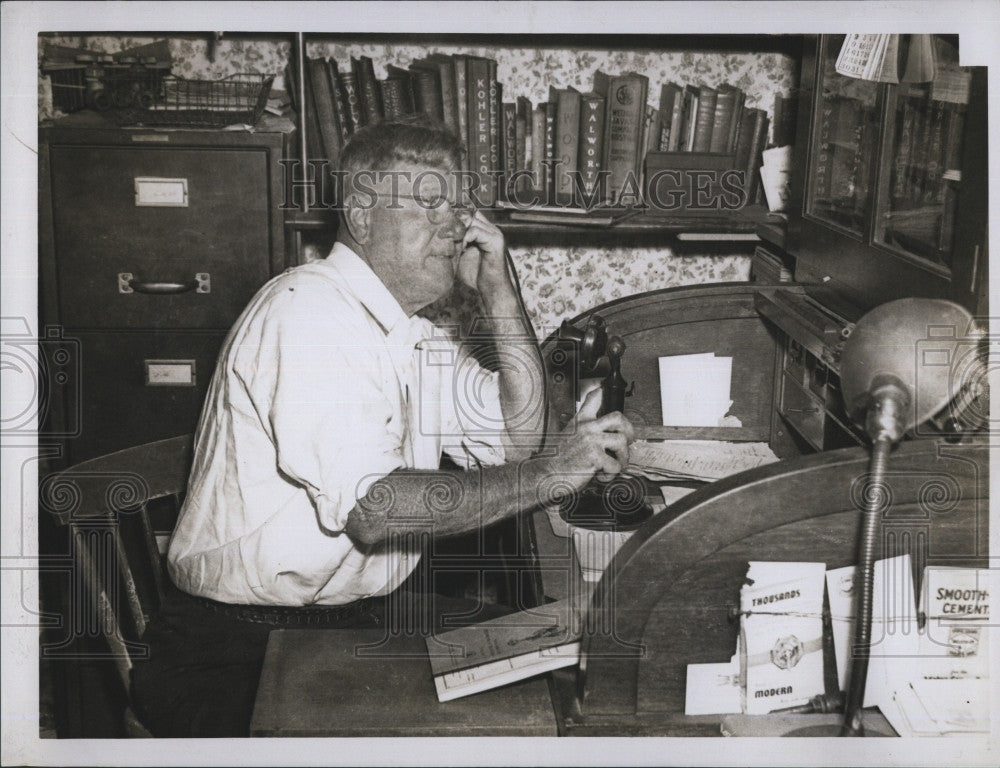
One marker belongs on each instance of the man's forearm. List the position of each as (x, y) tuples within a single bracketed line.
[(522, 376), (448, 502)]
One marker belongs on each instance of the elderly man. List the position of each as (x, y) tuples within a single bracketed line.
[(325, 425)]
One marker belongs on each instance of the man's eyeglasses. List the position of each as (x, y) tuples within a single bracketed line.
[(440, 209)]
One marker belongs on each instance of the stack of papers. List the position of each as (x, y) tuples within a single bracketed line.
[(694, 389), (703, 460), (931, 680), (894, 625)]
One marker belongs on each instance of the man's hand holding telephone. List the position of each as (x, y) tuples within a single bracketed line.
[(592, 445)]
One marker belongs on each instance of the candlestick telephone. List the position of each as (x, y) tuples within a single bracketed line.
[(618, 504)]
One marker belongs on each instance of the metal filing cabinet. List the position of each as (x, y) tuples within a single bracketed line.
[(151, 243)]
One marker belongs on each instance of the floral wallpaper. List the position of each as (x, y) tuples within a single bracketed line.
[(556, 282)]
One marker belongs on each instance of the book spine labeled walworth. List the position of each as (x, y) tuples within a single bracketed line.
[(591, 149)]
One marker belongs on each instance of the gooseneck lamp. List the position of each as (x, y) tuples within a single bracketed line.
[(896, 373)]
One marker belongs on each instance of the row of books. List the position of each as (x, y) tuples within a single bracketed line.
[(459, 91), (927, 146), (575, 150), (587, 148)]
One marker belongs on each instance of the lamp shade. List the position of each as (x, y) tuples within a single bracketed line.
[(915, 341)]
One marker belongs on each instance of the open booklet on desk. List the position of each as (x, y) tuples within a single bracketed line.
[(492, 653), (703, 460)]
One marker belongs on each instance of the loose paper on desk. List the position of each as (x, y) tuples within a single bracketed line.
[(703, 460), (781, 635), (713, 689), (694, 389), (948, 691), (673, 493)]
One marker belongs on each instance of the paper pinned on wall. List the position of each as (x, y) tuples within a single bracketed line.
[(694, 389), (781, 635), (894, 626)]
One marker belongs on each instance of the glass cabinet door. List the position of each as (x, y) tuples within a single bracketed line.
[(890, 183), (919, 191), (845, 144)]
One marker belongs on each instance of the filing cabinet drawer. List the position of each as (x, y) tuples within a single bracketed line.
[(126, 217), (136, 387)]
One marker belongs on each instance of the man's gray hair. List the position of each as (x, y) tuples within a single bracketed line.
[(385, 146)]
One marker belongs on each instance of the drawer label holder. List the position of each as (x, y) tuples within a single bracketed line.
[(158, 192), (170, 373)]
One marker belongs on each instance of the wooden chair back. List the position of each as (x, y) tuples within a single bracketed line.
[(118, 579)]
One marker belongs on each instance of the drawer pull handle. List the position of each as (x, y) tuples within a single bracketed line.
[(200, 283)]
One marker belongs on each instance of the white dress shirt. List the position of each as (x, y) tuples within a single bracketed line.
[(323, 386)]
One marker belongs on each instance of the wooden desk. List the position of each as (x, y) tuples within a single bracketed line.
[(341, 682), (672, 588), (672, 585)]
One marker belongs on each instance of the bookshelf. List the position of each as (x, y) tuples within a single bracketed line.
[(733, 230), (539, 69)]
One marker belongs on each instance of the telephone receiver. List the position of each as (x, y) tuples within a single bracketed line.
[(593, 344)]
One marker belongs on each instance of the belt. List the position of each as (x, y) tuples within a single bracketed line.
[(347, 614)]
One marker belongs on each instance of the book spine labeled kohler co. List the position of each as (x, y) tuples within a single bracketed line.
[(478, 92), (496, 129)]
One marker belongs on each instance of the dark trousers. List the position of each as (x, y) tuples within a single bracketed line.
[(200, 677)]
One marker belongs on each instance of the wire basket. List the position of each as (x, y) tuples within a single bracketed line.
[(176, 101)]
